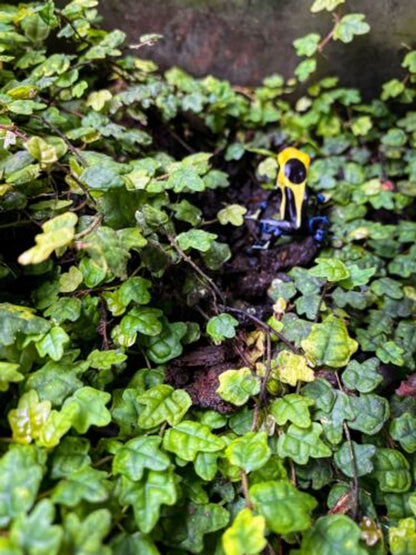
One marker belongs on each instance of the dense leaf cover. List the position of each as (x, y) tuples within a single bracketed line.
[(119, 201)]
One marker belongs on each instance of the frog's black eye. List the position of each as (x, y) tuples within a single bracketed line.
[(295, 171)]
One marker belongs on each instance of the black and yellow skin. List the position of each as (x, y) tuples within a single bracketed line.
[(292, 214)]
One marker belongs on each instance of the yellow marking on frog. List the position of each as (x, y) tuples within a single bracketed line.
[(283, 182)]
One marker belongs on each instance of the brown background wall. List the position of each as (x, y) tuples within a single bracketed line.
[(245, 40)]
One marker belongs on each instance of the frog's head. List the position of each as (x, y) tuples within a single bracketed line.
[(293, 169)]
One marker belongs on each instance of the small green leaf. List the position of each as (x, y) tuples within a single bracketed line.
[(196, 239), (21, 472), (86, 484), (362, 377), (188, 438), (293, 408), (69, 281), (330, 269), (236, 386), (104, 360), (390, 352), (349, 26), (391, 470), (35, 533), (53, 344), (392, 89), (232, 214), (246, 534), (146, 497), (333, 534), (371, 412), (43, 152), (9, 374), (138, 454), (305, 69), (299, 444), (222, 327), (98, 99), (403, 430), (249, 452), (329, 343), (361, 464), (307, 45), (410, 61), (285, 508), (163, 403), (90, 408)]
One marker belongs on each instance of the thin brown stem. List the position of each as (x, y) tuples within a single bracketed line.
[(244, 487)]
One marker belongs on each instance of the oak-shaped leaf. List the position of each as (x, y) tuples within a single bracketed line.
[(189, 438), (162, 403), (329, 343), (293, 408), (299, 444), (285, 508), (138, 454), (246, 534), (249, 452), (236, 386)]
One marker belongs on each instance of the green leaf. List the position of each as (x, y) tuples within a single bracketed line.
[(232, 214), (185, 179), (146, 497), (21, 472), (9, 374), (135, 289), (43, 152), (299, 444), (70, 455), (293, 408), (328, 5), (222, 327), (371, 412), (361, 462), (35, 533), (390, 352), (293, 368), (56, 233), (361, 126), (167, 345), (236, 386), (163, 403), (53, 344), (329, 343), (403, 430), (249, 452), (16, 320), (392, 89), (104, 360), (98, 99), (86, 536), (64, 309), (196, 239), (188, 438), (391, 470), (138, 454), (333, 534), (410, 61), (285, 508), (349, 26), (362, 377), (246, 534), (130, 544), (330, 269), (86, 484), (187, 212), (402, 538), (90, 408), (307, 45), (305, 69)]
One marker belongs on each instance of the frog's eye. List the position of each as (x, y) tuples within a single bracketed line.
[(295, 171)]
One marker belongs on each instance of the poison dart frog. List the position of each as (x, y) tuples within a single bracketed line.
[(295, 202)]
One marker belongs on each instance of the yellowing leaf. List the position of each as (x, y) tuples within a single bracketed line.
[(293, 368), (329, 343), (246, 535), (27, 420), (98, 99), (43, 152), (57, 232)]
